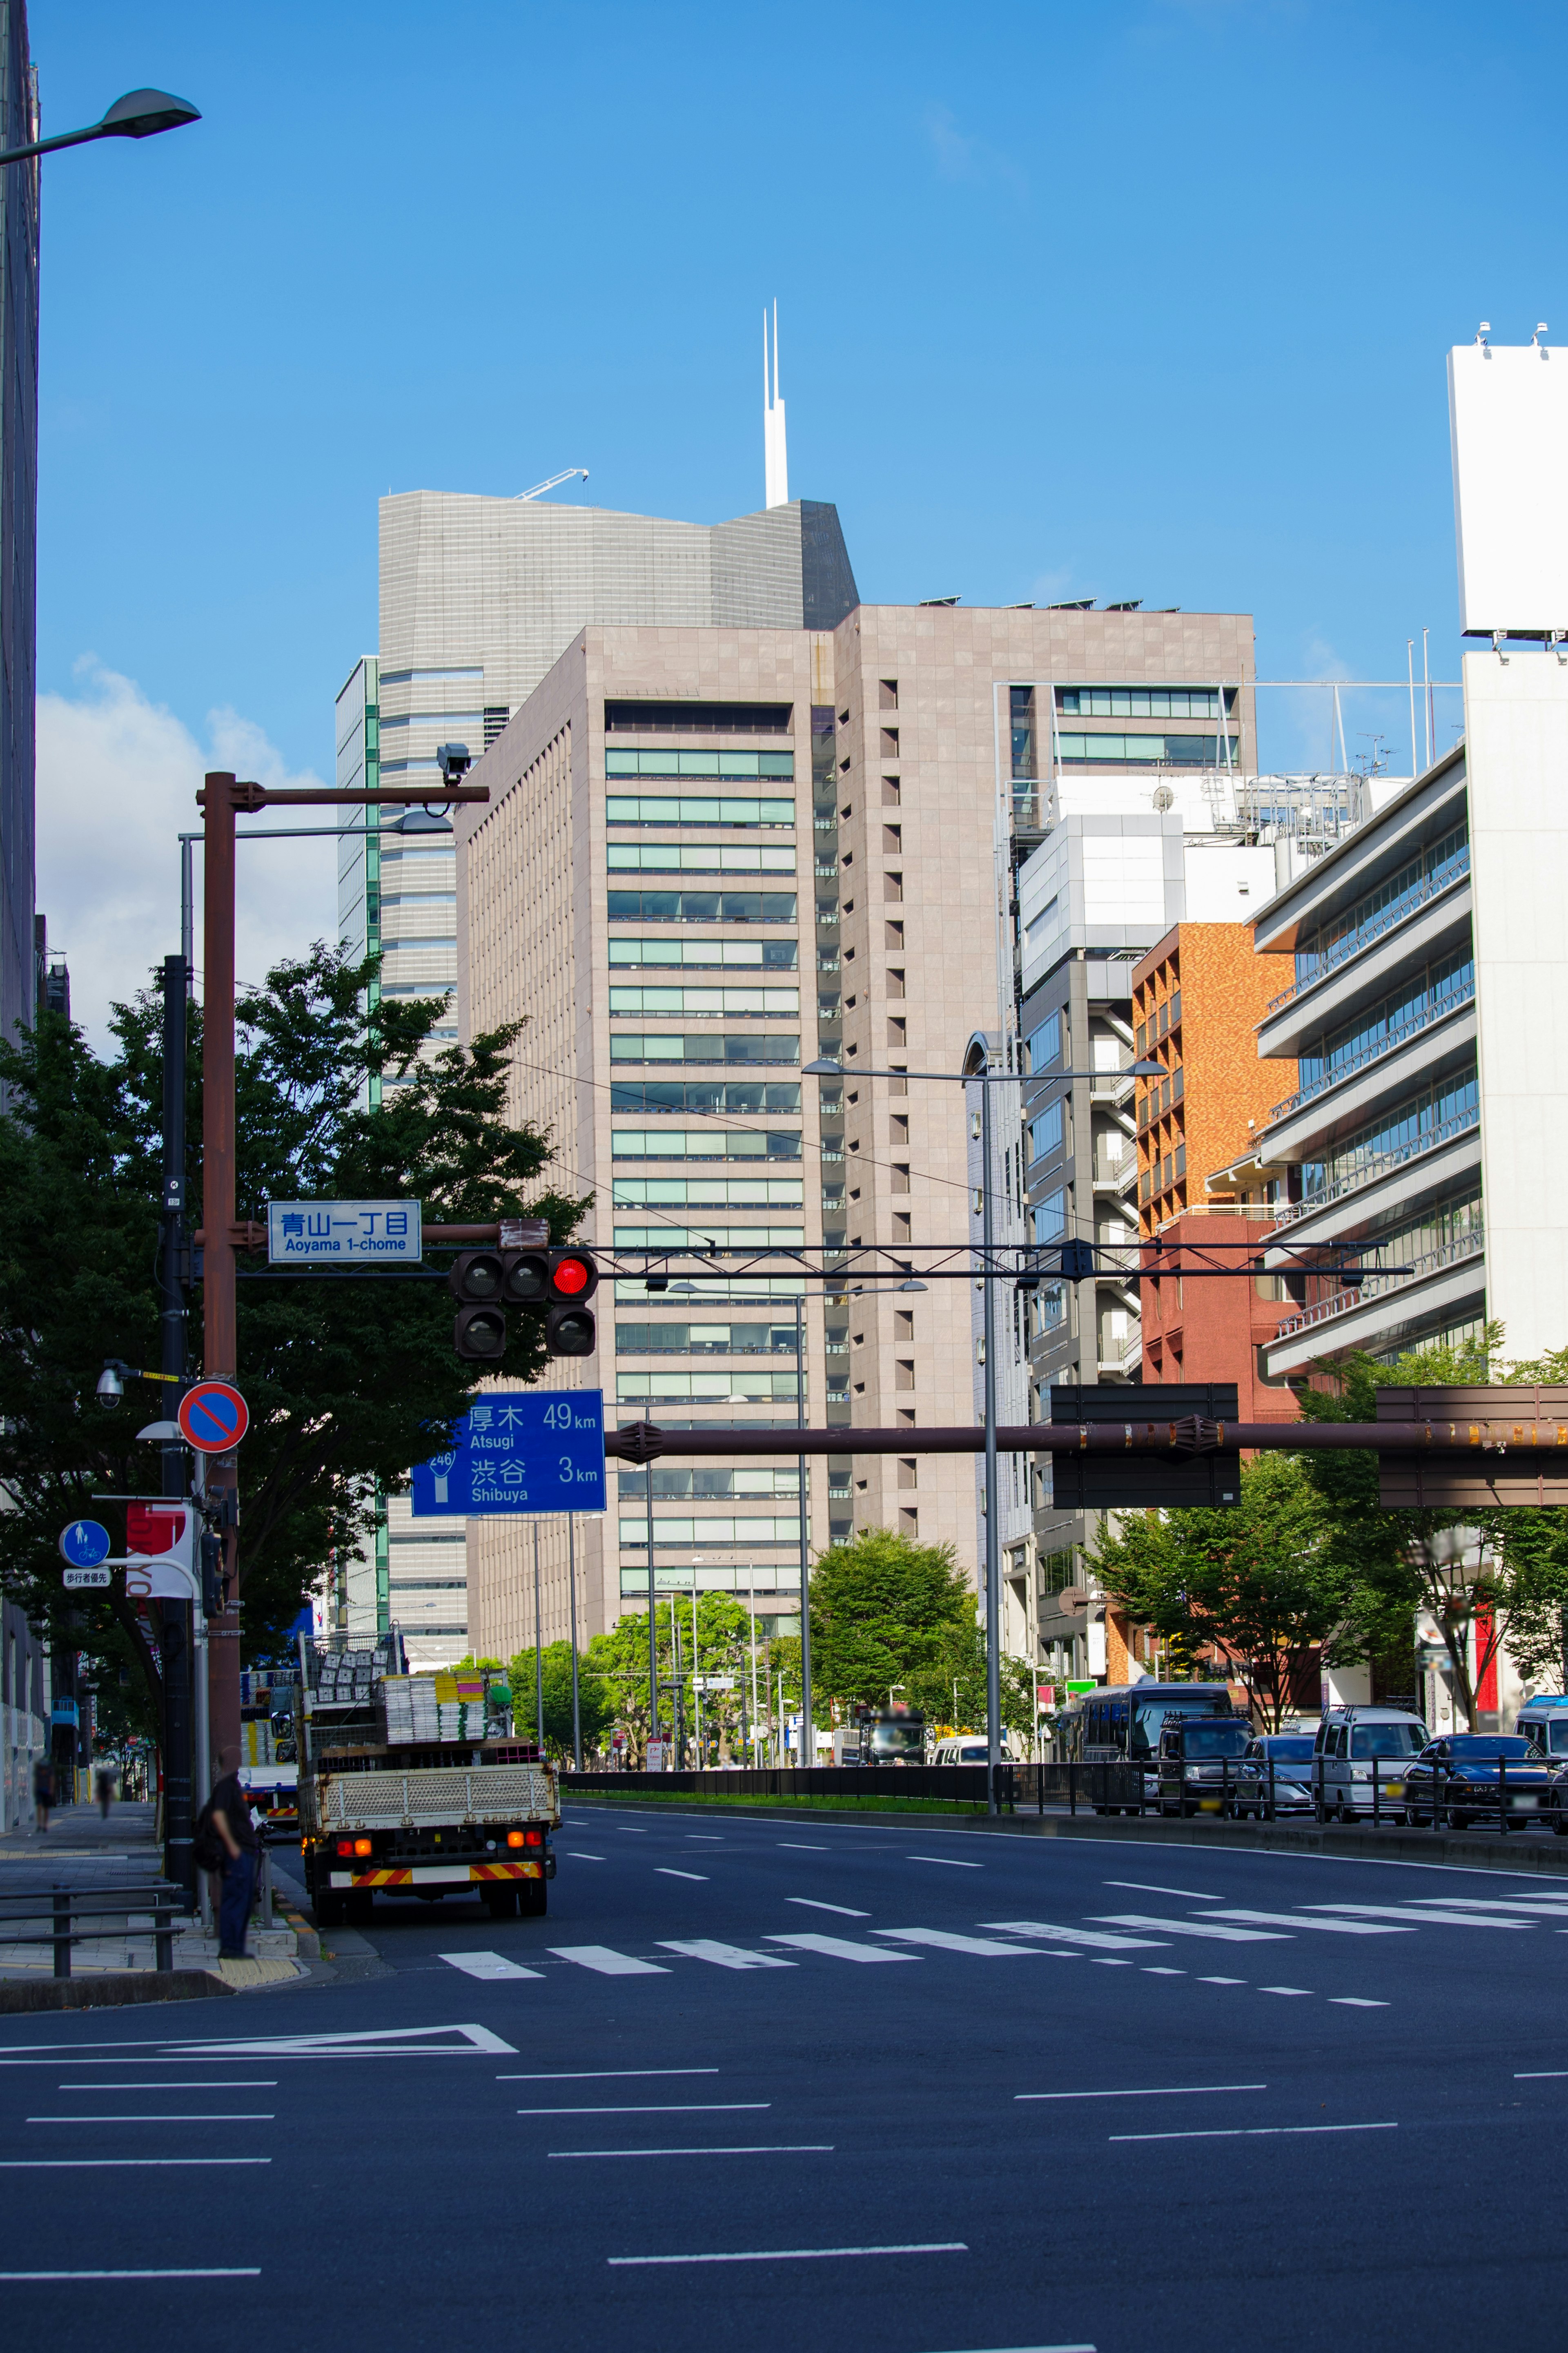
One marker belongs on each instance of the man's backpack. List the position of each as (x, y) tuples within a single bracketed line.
[(208, 1849)]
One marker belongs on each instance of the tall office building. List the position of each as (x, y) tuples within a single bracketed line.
[(478, 598), (644, 887)]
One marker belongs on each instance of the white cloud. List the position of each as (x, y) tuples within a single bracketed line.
[(118, 777)]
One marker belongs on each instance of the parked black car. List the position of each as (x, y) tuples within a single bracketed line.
[(1200, 1763), (1469, 1775)]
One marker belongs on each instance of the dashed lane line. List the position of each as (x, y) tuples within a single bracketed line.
[(848, 1911)]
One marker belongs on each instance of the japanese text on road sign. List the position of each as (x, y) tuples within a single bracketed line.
[(518, 1451), (343, 1233)]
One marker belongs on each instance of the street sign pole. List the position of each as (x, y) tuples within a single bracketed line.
[(181, 1767)]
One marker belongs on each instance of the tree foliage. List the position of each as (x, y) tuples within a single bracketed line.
[(348, 1382)]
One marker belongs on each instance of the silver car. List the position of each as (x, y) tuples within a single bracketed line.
[(1275, 1776)]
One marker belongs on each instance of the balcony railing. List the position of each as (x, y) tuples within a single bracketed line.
[(1435, 1007), (1377, 1286), (1462, 1122), (1430, 887)]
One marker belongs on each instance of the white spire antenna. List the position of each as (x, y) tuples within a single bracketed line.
[(775, 459)]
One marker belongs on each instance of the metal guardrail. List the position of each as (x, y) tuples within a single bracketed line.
[(952, 1781), (55, 1907)]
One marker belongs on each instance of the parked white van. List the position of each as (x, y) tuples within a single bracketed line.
[(1544, 1723), (1356, 1746)]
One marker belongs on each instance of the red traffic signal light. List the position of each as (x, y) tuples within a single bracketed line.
[(572, 1274), (484, 1283)]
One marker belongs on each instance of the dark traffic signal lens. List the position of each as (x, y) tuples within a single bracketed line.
[(527, 1281), (477, 1274), (478, 1335), (569, 1331)]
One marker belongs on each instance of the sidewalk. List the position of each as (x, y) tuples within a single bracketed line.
[(79, 1836)]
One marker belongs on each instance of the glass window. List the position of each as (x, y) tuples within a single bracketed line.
[(769, 956), (1046, 1132), (672, 763), (621, 809), (714, 1004), (699, 857), (696, 1047), (1050, 1217), (702, 906), (1045, 1043), (1215, 1739)]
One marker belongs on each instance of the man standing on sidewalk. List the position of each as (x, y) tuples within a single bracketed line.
[(230, 1812)]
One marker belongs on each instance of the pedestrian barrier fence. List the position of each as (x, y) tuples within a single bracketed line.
[(54, 1915)]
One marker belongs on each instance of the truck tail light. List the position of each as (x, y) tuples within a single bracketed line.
[(345, 1846), (362, 1846), (534, 1837), (516, 1838)]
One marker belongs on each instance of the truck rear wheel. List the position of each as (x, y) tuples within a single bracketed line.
[(532, 1898), (500, 1903)]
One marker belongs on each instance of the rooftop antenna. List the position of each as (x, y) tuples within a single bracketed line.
[(775, 460), (555, 482)]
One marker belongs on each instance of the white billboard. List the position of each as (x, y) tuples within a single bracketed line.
[(1507, 422)]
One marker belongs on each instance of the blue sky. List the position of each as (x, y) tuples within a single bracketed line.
[(1144, 300)]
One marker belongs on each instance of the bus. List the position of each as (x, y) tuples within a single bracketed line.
[(1120, 1724)]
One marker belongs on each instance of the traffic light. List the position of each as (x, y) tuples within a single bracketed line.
[(477, 1283), (569, 1328), (484, 1283)]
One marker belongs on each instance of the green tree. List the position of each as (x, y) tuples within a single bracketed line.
[(1262, 1582), (887, 1611), (1404, 1560), (618, 1660), (348, 1382), (596, 1702)]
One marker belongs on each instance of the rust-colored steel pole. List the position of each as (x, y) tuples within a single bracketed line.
[(220, 1339), (641, 1441)]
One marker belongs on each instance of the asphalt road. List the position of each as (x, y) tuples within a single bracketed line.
[(863, 2081)]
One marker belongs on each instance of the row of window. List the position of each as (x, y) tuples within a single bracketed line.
[(723, 764), (703, 1484), (710, 1004), (699, 857), (1430, 870), (716, 1097), (693, 809), (705, 1339), (1438, 1110), (1430, 993), (669, 1236), (704, 956), (708, 1192), (751, 1530), (703, 1143), (699, 1047), (1142, 701), (702, 906), (742, 1383), (1148, 750)]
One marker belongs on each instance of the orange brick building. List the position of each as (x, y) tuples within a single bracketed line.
[(1197, 997)]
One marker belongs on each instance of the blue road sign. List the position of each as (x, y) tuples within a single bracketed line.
[(518, 1451), (84, 1544)]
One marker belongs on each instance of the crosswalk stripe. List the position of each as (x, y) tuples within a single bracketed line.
[(946, 1941), (1206, 1927), (489, 1966), (1549, 1906), (1407, 1912), (723, 1957), (840, 1948), (607, 1962), (1099, 1937), (1331, 1928)]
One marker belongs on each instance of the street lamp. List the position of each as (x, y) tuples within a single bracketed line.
[(985, 1078), (140, 114)]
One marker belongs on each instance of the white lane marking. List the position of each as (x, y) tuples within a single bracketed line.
[(811, 1904), (1222, 1980), (1252, 2132), (793, 1846), (1156, 1972), (602, 2074), (76, 2164), (673, 2108), (1556, 1906), (813, 2255), (1541, 2075), (233, 2084), (1147, 1887), (1096, 1937), (1100, 1960), (1407, 1913), (1300, 1989), (1328, 1927), (1194, 1928), (1356, 2001), (488, 1966), (226, 2271), (705, 1838), (1147, 2092), (950, 1861), (947, 1941), (607, 1962), (221, 2116), (723, 1957), (577, 1855), (840, 1948), (665, 1871), (753, 2149), (369, 2042)]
